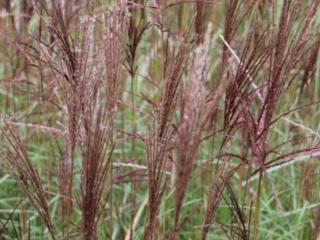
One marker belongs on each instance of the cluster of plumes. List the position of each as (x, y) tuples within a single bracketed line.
[(24, 172), (88, 83), (98, 118), (88, 56), (277, 53), (192, 122), (281, 57), (159, 142)]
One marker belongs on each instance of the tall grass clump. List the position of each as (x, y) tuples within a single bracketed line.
[(159, 119)]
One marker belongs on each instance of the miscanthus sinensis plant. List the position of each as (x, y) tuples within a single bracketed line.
[(159, 119)]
